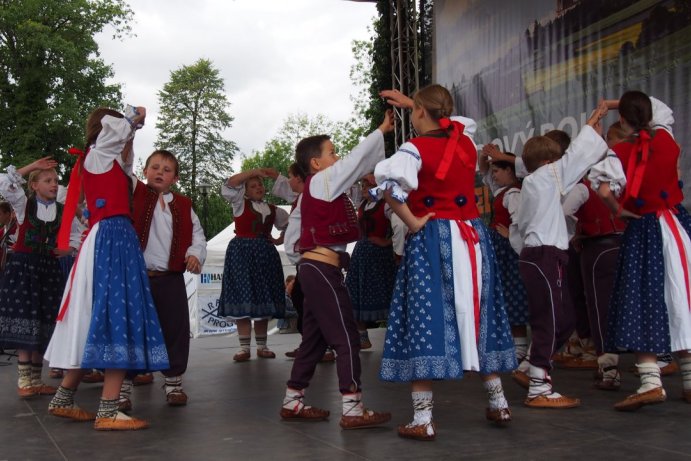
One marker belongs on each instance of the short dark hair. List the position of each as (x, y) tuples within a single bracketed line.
[(503, 164), (5, 207), (166, 155), (309, 148), (539, 149), (636, 108), (295, 170), (561, 137)]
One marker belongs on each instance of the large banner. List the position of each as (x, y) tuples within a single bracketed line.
[(522, 68)]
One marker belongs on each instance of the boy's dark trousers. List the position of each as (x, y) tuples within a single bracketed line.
[(170, 298), (327, 321), (543, 271)]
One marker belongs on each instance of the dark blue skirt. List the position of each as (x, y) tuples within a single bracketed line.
[(514, 290), (370, 280)]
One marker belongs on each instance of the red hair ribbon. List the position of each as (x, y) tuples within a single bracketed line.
[(74, 190), (636, 166), (453, 148)]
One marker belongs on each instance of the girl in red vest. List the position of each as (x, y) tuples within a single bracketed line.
[(372, 265), (107, 319), (32, 282), (252, 285), (448, 314), (650, 310)]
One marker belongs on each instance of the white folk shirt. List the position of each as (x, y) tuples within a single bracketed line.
[(540, 215)]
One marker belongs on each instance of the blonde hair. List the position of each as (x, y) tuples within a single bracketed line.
[(436, 100), (539, 150), (616, 132)]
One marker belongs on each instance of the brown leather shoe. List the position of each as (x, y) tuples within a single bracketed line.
[(74, 413), (94, 376), (368, 419), (176, 398), (498, 416), (422, 432), (292, 354), (542, 401), (365, 344), (579, 363), (635, 401), (143, 379), (265, 354), (26, 392), (242, 356), (44, 389), (521, 378), (120, 422), (306, 414), (669, 369), (55, 373)]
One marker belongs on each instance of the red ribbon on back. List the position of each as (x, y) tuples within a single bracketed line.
[(74, 190), (636, 168), (471, 237), (453, 148)]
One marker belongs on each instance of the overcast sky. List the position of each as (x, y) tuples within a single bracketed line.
[(277, 57)]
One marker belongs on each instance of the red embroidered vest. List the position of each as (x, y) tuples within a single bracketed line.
[(144, 204), (373, 222), (595, 219), (452, 198), (660, 187), (326, 223), (36, 236), (107, 194), (500, 215), (250, 224)]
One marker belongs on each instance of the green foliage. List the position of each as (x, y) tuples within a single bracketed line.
[(51, 76), (381, 77), (194, 114)]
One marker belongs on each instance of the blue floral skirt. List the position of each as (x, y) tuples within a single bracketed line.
[(514, 290), (637, 316), (124, 332), (30, 293), (422, 340), (253, 283), (370, 280)]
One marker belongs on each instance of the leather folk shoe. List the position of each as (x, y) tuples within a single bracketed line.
[(498, 416), (368, 419), (124, 404), (43, 389), (143, 379), (120, 422), (242, 356), (635, 401), (306, 414), (74, 413), (521, 378), (26, 392), (176, 398), (265, 354), (543, 401), (423, 432)]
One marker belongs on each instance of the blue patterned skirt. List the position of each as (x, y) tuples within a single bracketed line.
[(637, 316), (422, 340), (252, 280), (30, 293), (514, 290), (370, 280), (124, 332)]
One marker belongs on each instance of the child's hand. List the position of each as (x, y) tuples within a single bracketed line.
[(270, 172), (193, 265), (502, 230), (44, 163), (626, 214), (419, 223), (597, 115), (493, 152), (139, 118), (397, 99), (388, 124)]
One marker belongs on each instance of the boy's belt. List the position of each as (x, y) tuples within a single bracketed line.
[(158, 273), (324, 255)]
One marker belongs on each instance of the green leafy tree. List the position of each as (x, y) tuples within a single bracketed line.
[(194, 114), (51, 76)]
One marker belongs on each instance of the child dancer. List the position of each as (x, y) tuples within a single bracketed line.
[(447, 314), (253, 275), (544, 257), (650, 310), (328, 222), (32, 281), (372, 266), (107, 319), (173, 241), (501, 178)]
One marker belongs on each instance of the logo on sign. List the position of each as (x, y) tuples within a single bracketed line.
[(211, 278)]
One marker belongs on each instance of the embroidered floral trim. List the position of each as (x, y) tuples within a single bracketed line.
[(397, 191)]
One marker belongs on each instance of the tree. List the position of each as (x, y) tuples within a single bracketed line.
[(194, 114), (50, 74)]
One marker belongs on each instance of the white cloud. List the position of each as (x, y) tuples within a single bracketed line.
[(277, 57)]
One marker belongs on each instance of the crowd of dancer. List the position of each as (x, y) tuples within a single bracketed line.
[(588, 248)]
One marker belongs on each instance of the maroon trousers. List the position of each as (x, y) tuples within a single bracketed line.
[(328, 321), (599, 268), (543, 271), (577, 293), (170, 298)]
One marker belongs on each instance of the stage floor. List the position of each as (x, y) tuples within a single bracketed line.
[(233, 414)]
